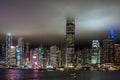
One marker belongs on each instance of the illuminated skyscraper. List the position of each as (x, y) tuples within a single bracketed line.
[(108, 48), (13, 57), (70, 41), (95, 52), (8, 48), (40, 55), (54, 56), (117, 54), (35, 59), (3, 51), (18, 56), (108, 51), (85, 56), (21, 48), (27, 55)]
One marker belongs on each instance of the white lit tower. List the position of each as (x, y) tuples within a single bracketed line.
[(95, 53), (8, 48), (21, 48), (70, 41)]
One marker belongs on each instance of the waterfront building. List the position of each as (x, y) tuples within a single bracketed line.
[(34, 59), (108, 48), (40, 57), (3, 51), (95, 52), (70, 42), (8, 48), (85, 56), (18, 56), (27, 55), (54, 56), (59, 58), (63, 55), (108, 51), (78, 57), (45, 57), (21, 48), (12, 56), (117, 54)]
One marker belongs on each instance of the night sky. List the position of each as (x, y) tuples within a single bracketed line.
[(44, 21)]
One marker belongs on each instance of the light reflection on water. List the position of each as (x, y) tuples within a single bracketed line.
[(10, 74), (13, 74)]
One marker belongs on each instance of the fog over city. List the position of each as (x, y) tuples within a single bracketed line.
[(45, 20)]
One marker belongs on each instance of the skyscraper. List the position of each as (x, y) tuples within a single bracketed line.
[(27, 51), (3, 51), (95, 52), (40, 56), (12, 56), (21, 48), (54, 56), (8, 48), (117, 54), (18, 56), (108, 47), (85, 56), (70, 41), (108, 51)]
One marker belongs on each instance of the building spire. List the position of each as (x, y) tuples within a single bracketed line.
[(112, 34)]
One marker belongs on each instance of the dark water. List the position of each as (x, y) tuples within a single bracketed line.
[(9, 74)]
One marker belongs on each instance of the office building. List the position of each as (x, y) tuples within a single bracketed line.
[(12, 57), (70, 42), (117, 54), (95, 52), (8, 48), (21, 48)]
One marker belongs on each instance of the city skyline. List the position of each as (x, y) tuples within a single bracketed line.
[(59, 39), (45, 21)]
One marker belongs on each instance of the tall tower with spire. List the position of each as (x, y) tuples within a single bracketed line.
[(70, 41), (108, 47)]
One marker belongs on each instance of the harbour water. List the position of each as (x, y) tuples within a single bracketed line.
[(11, 74)]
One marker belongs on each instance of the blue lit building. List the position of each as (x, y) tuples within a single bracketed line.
[(18, 56), (108, 47)]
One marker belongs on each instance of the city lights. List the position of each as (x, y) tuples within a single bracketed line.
[(12, 46), (67, 56), (36, 63), (9, 34), (34, 57)]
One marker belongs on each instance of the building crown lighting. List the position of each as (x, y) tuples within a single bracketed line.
[(9, 34)]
